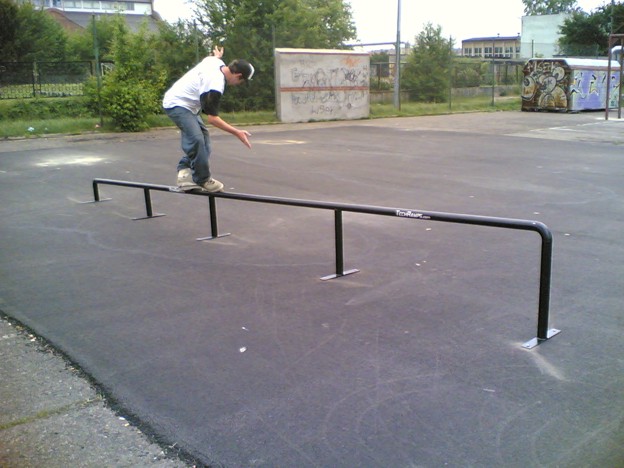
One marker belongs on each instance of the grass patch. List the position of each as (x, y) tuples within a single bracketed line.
[(30, 127), (474, 104), (234, 118), (42, 127), (44, 108)]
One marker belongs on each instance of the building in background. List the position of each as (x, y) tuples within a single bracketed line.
[(539, 38), (540, 35), (492, 47), (76, 14)]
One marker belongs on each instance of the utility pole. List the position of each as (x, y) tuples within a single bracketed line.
[(397, 69), (98, 69), (493, 73)]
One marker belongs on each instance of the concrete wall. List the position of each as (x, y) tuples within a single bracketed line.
[(321, 85)]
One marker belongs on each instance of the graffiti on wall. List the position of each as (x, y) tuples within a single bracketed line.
[(329, 91), (323, 86), (588, 89), (554, 85), (544, 85)]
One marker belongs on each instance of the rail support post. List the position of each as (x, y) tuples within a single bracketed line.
[(214, 228), (543, 332), (339, 249), (96, 194), (148, 207)]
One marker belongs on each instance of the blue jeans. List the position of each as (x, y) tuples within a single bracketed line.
[(195, 143)]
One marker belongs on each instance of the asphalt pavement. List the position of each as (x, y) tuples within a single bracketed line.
[(131, 343)]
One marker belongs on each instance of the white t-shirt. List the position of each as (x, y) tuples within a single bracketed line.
[(205, 76)]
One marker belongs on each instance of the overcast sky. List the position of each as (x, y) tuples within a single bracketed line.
[(376, 21)]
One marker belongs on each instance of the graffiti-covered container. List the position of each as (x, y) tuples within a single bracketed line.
[(568, 84)]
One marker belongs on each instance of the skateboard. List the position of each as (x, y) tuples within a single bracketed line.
[(190, 189)]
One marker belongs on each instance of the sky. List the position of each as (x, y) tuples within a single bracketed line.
[(376, 21)]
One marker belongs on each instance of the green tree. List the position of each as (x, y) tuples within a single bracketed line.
[(549, 7), (31, 35), (427, 73), (178, 48), (314, 24), (250, 29), (133, 90), (40, 37), (80, 43), (8, 30), (588, 34)]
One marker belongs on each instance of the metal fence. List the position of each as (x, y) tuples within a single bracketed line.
[(22, 80), (494, 78), (474, 73)]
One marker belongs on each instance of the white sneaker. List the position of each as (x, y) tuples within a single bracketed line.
[(212, 185), (185, 180)]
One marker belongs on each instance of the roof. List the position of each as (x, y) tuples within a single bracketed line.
[(492, 39), (82, 19), (593, 63), (65, 22), (576, 62)]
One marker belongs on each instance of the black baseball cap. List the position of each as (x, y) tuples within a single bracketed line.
[(243, 67)]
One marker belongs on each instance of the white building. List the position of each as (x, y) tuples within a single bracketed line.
[(492, 47), (540, 35), (73, 14)]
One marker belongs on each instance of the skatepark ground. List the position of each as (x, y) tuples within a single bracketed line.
[(131, 343)]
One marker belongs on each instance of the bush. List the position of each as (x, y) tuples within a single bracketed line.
[(132, 91), (466, 78), (128, 104)]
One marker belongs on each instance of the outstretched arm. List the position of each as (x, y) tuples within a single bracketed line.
[(242, 135)]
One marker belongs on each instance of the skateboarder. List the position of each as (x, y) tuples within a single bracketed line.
[(200, 90)]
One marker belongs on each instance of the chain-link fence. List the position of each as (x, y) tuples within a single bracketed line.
[(21, 80), (466, 78)]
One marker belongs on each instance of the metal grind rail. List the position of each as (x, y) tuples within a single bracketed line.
[(543, 332)]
